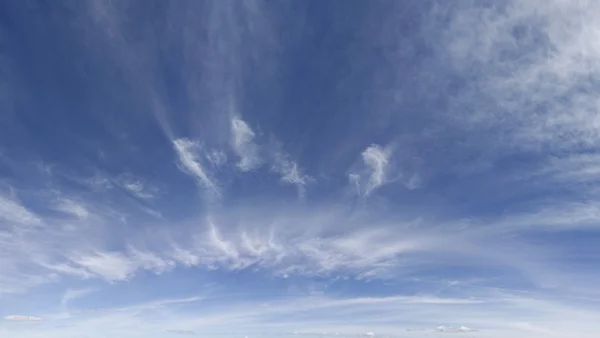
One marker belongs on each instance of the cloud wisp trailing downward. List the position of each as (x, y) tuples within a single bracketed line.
[(250, 155), (244, 146), (374, 172), (190, 162)]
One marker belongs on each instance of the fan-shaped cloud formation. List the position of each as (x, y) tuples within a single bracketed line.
[(337, 169)]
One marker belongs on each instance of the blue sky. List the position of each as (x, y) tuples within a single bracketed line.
[(275, 168)]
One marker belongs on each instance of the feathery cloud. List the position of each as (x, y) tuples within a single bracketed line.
[(138, 187), (112, 266), (217, 158), (12, 211), (290, 172), (374, 173), (244, 146), (72, 294), (73, 208), (189, 158)]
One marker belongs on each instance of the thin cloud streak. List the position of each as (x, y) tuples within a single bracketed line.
[(189, 158), (19, 318), (12, 211)]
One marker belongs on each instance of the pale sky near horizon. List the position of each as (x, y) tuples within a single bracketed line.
[(325, 168)]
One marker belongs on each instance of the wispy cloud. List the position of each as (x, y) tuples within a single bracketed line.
[(18, 318), (112, 266), (290, 172), (116, 266), (250, 158), (189, 158), (73, 294), (447, 329), (138, 187), (12, 211), (244, 146), (510, 85), (551, 67), (374, 172), (73, 208), (218, 158)]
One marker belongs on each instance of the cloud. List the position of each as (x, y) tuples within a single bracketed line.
[(72, 294), (450, 329), (115, 266), (112, 266), (137, 187), (374, 174), (12, 211), (321, 250), (98, 182), (183, 332), (244, 146), (249, 153), (73, 208), (217, 158), (18, 318), (189, 158), (290, 172), (528, 66), (510, 82)]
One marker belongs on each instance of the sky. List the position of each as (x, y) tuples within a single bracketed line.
[(248, 168)]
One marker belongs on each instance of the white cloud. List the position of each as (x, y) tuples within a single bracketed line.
[(112, 266), (244, 146), (375, 171), (12, 211), (72, 294), (73, 208), (249, 153), (18, 318), (138, 188), (447, 329), (217, 158), (188, 152), (290, 172), (98, 182), (150, 261), (304, 251), (534, 70)]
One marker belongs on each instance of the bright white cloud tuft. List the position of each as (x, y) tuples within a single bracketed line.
[(374, 172), (244, 146)]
